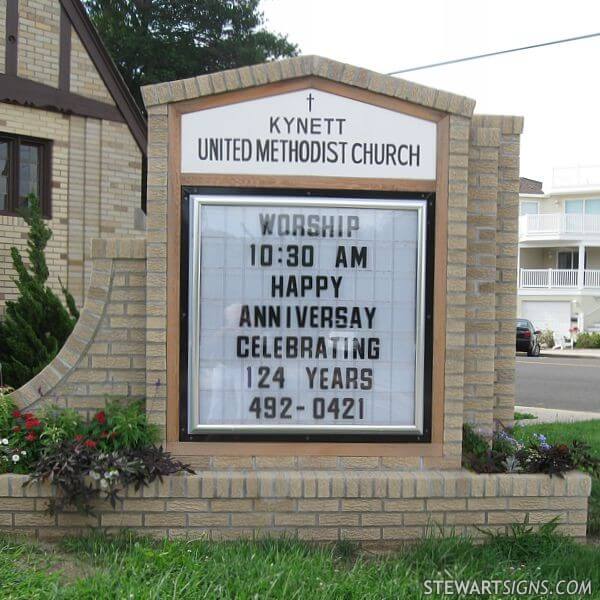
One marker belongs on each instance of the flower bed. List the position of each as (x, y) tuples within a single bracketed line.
[(505, 454), (85, 460)]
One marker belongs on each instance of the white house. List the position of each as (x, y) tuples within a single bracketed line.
[(559, 252)]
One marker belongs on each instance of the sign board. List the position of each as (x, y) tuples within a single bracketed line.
[(308, 132), (306, 314)]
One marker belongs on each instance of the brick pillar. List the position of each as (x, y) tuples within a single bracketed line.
[(480, 328)]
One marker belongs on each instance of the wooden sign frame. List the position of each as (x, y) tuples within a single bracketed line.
[(177, 180)]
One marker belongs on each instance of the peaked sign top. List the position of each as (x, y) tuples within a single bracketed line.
[(305, 66)]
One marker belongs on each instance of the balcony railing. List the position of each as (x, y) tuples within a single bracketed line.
[(559, 278), (558, 224)]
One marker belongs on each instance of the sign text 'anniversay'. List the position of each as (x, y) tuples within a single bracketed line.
[(308, 132)]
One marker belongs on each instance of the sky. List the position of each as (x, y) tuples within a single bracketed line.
[(556, 89)]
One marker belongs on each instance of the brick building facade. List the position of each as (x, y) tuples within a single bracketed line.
[(69, 131)]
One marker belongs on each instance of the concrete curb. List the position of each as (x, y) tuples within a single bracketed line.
[(572, 354), (555, 415)]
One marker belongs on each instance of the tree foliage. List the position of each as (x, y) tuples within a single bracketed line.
[(161, 40), (36, 325)]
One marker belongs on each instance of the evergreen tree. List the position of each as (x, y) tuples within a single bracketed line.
[(36, 325), (161, 40)]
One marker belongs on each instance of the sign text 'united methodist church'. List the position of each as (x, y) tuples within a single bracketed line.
[(308, 132)]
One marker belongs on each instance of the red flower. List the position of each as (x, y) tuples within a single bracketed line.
[(16, 428), (79, 438), (104, 434), (31, 423), (27, 416), (16, 414), (31, 437), (90, 444), (100, 417)]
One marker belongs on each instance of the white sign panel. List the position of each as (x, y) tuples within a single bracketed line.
[(308, 132), (305, 314)]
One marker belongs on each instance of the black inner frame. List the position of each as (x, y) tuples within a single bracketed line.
[(367, 437)]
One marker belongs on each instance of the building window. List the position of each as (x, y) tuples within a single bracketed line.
[(567, 259), (578, 207), (25, 168), (529, 207)]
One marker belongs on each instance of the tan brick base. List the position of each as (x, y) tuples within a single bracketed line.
[(363, 506)]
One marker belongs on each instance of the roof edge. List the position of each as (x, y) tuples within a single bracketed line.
[(303, 66)]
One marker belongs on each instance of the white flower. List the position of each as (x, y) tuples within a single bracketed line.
[(16, 458), (24, 452), (5, 441), (103, 484)]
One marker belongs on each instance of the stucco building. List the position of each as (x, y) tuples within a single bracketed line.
[(559, 254), (71, 132)]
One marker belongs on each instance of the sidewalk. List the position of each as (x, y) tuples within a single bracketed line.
[(568, 353), (553, 415)]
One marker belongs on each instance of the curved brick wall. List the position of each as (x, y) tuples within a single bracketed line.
[(105, 354)]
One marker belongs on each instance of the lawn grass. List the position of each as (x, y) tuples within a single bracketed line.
[(128, 567), (584, 431)]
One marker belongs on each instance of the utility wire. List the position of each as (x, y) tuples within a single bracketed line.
[(458, 60)]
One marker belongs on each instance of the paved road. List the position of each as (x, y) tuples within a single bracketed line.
[(563, 383)]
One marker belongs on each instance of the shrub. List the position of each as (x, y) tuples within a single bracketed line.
[(588, 340), (7, 406), (547, 338), (519, 416), (36, 325)]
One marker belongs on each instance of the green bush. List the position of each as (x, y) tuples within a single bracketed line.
[(84, 460), (36, 325), (122, 425), (588, 340), (7, 406), (547, 338)]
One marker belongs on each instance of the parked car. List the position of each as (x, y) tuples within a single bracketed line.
[(528, 338)]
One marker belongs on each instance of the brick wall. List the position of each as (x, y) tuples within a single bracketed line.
[(13, 230), (39, 40), (85, 79), (96, 165), (96, 190), (105, 354), (377, 508)]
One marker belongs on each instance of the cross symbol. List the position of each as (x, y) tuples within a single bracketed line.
[(310, 99)]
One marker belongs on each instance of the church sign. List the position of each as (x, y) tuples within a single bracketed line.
[(308, 132), (307, 313)]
